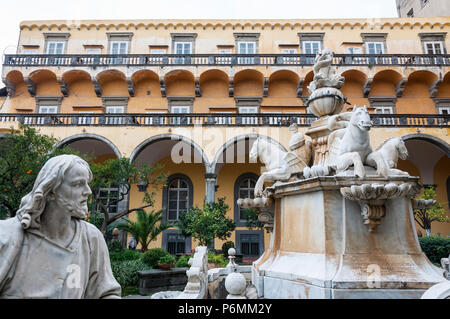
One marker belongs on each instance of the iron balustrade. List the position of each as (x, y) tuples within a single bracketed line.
[(161, 60), (213, 119)]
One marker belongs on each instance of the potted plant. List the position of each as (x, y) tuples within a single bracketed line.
[(166, 262)]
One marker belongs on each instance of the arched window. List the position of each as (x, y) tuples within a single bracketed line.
[(178, 199), (243, 188)]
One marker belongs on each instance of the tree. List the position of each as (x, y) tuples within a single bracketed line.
[(436, 213), (146, 227), (119, 175), (22, 155), (251, 218), (207, 223)]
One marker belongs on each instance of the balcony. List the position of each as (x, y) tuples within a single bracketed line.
[(156, 60), (213, 119)]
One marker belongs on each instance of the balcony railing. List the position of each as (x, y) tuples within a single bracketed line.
[(213, 119), (91, 60)]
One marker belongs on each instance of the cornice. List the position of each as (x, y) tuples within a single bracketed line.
[(246, 25)]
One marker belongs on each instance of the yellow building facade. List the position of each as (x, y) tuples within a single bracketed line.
[(193, 95)]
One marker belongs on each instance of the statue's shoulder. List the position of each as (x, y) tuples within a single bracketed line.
[(10, 231), (91, 230)]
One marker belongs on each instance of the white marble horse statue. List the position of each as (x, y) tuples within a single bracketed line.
[(274, 159), (390, 150), (353, 148)]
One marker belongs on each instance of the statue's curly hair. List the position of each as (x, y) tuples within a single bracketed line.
[(49, 178)]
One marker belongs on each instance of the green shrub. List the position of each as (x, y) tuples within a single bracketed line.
[(151, 256), (166, 260), (126, 254), (227, 245), (115, 246), (183, 261), (125, 272), (435, 247), (217, 259)]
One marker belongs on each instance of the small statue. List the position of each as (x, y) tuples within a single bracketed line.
[(324, 74), (281, 165), (47, 250), (390, 150), (351, 145), (300, 150)]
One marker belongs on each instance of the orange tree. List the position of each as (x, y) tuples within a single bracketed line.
[(436, 213), (207, 223), (23, 152)]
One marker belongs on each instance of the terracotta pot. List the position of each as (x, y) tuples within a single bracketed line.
[(326, 101), (165, 266)]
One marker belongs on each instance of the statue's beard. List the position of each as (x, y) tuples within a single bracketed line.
[(76, 209)]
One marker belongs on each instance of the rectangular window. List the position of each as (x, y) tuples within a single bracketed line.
[(246, 48), (93, 50), (226, 51), (183, 48), (46, 110), (311, 47), (249, 110), (250, 245), (354, 50), (444, 110), (109, 197), (385, 110), (176, 244), (224, 60), (30, 51), (180, 110), (289, 60), (118, 47), (158, 51), (375, 47), (433, 47), (55, 47), (114, 110)]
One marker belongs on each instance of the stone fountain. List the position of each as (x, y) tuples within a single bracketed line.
[(340, 215)]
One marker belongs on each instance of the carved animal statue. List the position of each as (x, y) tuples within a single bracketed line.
[(391, 150), (324, 74), (275, 161), (353, 147)]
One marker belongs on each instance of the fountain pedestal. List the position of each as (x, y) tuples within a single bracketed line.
[(323, 247)]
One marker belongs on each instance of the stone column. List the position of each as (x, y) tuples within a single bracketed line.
[(210, 179)]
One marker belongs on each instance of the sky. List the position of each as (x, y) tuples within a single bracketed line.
[(13, 12)]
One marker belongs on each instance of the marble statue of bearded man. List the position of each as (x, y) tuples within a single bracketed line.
[(47, 250)]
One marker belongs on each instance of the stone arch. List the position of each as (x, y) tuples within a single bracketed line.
[(355, 87), (79, 85), (444, 87), (170, 137), (113, 83), (180, 83), (384, 83), (443, 145), (283, 83), (46, 82), (89, 136), (248, 83), (214, 83)]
